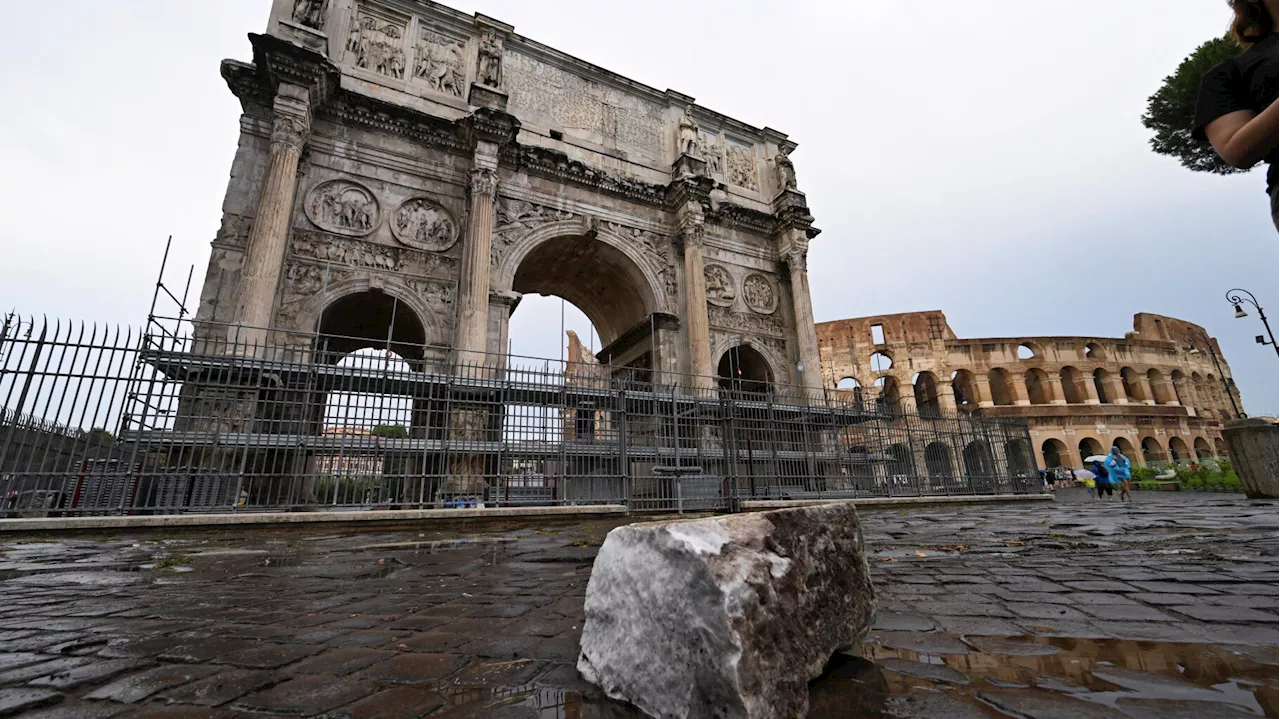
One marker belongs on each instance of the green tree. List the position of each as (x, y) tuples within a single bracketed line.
[(1171, 110), (100, 434), (390, 431)]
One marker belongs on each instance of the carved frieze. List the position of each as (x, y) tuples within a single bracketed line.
[(440, 62), (759, 294), (347, 252), (741, 163), (357, 253), (422, 223), (543, 92), (344, 207), (750, 322), (515, 218), (301, 282), (711, 150), (377, 43), (720, 289)]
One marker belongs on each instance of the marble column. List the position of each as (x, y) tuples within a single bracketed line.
[(269, 236), (471, 339), (796, 254), (695, 295)]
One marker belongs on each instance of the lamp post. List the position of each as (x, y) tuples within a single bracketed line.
[(1192, 349), (1236, 300)]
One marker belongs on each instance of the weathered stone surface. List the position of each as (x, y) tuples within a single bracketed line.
[(726, 616)]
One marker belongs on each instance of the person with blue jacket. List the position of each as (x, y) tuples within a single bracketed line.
[(1118, 468)]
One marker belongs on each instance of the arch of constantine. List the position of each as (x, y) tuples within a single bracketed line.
[(1157, 393), (405, 172)]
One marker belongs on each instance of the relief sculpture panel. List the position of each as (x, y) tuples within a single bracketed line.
[(342, 206), (745, 322), (424, 224), (720, 289), (356, 253), (759, 294), (741, 163), (440, 63), (517, 217), (377, 43)]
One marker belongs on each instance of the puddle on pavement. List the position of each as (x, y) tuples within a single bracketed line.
[(1020, 677)]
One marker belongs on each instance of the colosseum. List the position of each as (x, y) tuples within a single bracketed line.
[(1159, 393)]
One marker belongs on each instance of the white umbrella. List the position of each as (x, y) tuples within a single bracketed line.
[(1096, 458), (1085, 474)]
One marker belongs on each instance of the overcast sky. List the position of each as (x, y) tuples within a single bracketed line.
[(984, 157)]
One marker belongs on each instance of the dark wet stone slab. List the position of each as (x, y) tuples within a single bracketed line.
[(72, 709), (921, 642), (1180, 709), (921, 705), (981, 626), (92, 672), (1046, 611), (307, 696), (340, 662), (932, 672), (1172, 588), (1155, 685), (136, 687), (903, 621), (1032, 704), (413, 668), (1011, 647), (18, 699), (1214, 613), (397, 703), (221, 688)]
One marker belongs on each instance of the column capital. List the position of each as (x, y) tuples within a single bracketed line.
[(289, 132), (484, 181)]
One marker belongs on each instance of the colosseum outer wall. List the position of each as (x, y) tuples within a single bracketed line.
[(1159, 393)]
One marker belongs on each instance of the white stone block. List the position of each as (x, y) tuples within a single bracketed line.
[(726, 616)]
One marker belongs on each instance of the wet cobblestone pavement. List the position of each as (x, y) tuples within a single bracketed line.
[(1163, 608)]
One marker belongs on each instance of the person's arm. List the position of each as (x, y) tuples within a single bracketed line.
[(1242, 138)]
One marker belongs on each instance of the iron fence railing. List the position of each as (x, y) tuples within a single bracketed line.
[(161, 421)]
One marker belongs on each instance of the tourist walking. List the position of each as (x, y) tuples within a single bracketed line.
[(1104, 479), (1236, 110), (1118, 465)]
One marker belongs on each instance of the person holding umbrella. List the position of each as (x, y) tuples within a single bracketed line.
[(1118, 465), (1105, 484)]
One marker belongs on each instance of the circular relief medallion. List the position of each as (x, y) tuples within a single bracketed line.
[(343, 207), (758, 293), (419, 222), (720, 290)]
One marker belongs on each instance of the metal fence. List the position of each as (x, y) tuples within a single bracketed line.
[(157, 421)]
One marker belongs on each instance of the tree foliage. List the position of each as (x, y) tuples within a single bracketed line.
[(390, 431), (1171, 110)]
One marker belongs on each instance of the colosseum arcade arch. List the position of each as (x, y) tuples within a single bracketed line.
[(1054, 453), (1126, 448)]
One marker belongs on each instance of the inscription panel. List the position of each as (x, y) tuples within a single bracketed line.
[(539, 91)]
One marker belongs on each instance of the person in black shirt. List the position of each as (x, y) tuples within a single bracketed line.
[(1236, 110)]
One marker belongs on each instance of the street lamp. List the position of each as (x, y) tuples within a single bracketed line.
[(1192, 349), (1236, 301)]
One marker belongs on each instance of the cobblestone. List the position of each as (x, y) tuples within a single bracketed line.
[(1010, 606)]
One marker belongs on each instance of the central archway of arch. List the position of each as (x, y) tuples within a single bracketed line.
[(610, 283)]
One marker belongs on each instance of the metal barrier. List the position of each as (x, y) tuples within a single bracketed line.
[(127, 422)]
